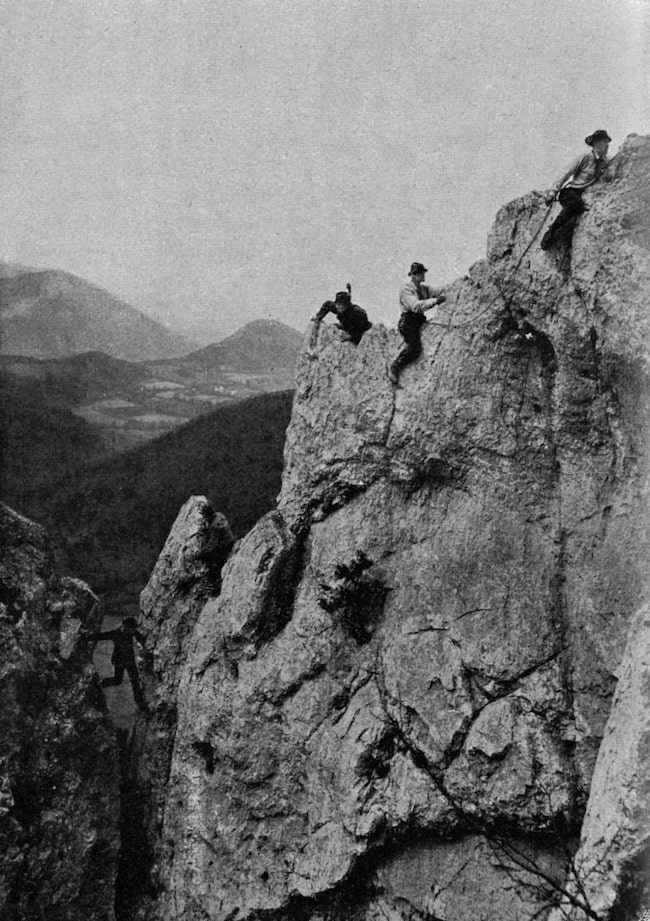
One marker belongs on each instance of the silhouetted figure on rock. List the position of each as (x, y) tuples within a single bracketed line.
[(353, 319), (123, 657), (415, 299), (583, 173)]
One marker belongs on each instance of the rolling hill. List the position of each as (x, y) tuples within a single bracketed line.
[(42, 403), (65, 421), (133, 402), (262, 345), (51, 314), (41, 439), (77, 379), (110, 520)]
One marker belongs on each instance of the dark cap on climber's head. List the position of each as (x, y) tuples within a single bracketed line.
[(342, 297), (600, 135), (130, 622), (416, 268)]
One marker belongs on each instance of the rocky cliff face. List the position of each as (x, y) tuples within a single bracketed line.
[(187, 573), (59, 771), (611, 870), (394, 707)]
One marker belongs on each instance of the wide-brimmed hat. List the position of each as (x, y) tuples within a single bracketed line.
[(600, 135), (416, 268)]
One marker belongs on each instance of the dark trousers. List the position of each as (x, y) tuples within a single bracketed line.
[(410, 326), (572, 207), (118, 676)]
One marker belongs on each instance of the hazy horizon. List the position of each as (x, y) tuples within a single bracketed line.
[(242, 160)]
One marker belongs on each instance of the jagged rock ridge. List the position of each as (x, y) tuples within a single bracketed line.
[(394, 707), (187, 573)]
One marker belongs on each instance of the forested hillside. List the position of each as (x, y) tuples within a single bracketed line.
[(110, 521)]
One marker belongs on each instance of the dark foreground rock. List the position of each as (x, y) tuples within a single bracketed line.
[(59, 771)]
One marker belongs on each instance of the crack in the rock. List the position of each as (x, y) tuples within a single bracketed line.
[(437, 771), (286, 693), (393, 409), (510, 684), (559, 613), (471, 611), (608, 389), (353, 691), (431, 629), (438, 890)]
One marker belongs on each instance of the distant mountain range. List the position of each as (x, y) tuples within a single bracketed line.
[(262, 345), (51, 314), (109, 422)]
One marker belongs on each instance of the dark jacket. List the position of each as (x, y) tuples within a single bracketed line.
[(352, 319), (123, 653)]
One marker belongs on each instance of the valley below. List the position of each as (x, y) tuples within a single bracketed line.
[(103, 451), (129, 403)]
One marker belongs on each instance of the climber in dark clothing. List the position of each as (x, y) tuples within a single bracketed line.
[(353, 319), (123, 657), (583, 173)]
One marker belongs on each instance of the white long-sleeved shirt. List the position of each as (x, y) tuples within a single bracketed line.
[(583, 172), (417, 297)]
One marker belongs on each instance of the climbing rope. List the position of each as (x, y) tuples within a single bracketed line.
[(500, 293)]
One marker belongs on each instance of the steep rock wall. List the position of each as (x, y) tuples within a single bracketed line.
[(611, 869), (394, 707), (59, 766), (187, 573)]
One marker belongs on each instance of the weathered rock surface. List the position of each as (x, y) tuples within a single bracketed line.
[(187, 573), (394, 708), (612, 865), (59, 772)]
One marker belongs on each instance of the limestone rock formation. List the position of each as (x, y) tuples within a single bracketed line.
[(187, 573), (615, 840), (59, 772), (394, 707)]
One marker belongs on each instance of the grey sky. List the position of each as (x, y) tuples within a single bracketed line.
[(244, 159)]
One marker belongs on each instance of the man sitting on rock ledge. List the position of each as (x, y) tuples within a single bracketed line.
[(353, 319), (415, 298), (582, 174)]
